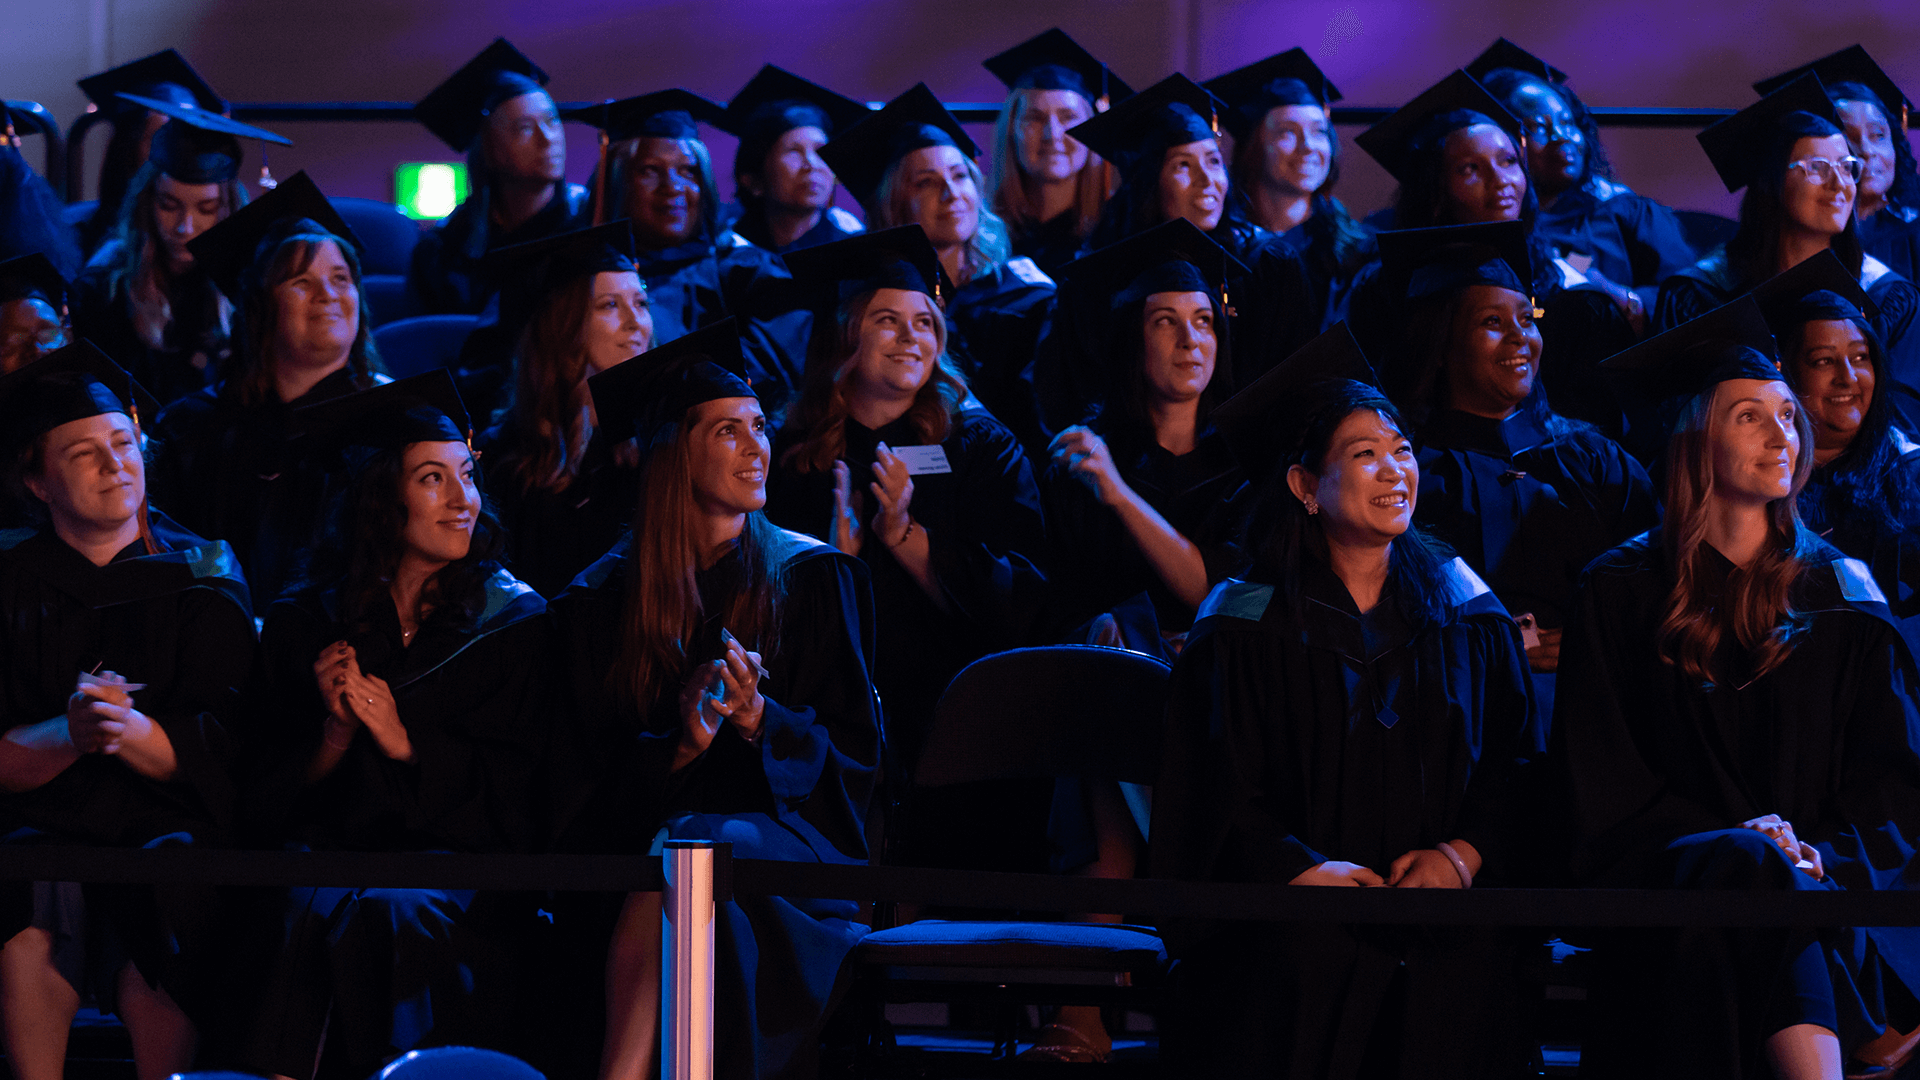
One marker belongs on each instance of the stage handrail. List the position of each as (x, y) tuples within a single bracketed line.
[(1150, 899)]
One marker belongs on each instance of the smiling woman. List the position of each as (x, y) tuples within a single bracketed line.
[(407, 675), (719, 676), (1356, 653), (1690, 651)]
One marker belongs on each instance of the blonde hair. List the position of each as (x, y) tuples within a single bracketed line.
[(1091, 187), (892, 206)]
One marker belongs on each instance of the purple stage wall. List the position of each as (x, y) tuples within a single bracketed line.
[(1633, 52)]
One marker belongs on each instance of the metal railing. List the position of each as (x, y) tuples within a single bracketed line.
[(72, 167)]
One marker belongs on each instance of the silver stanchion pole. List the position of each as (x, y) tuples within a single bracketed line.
[(686, 975)]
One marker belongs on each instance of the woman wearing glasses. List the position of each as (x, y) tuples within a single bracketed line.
[(1790, 153)]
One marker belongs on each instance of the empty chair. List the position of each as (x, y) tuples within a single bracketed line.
[(1056, 711), (411, 346), (389, 237)]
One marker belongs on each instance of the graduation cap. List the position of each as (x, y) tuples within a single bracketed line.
[(196, 146), (1818, 288), (1505, 54), (1054, 61), (1849, 65), (1172, 112), (1173, 256), (70, 383), (1730, 342), (536, 268), (1288, 78), (455, 109), (1260, 421), (1739, 145), (862, 154), (33, 274), (898, 258), (165, 75), (229, 249), (668, 114), (776, 101), (646, 396), (420, 408), (1399, 139), (1450, 257)]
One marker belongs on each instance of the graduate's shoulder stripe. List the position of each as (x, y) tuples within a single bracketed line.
[(1901, 442), (1236, 599), (1029, 271), (13, 538), (1570, 278), (1856, 582), (845, 221), (1605, 190), (1463, 585), (1871, 271), (602, 568), (508, 599)]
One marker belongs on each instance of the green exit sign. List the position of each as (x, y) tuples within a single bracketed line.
[(429, 189)]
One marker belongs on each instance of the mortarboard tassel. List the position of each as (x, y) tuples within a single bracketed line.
[(600, 181), (267, 182)]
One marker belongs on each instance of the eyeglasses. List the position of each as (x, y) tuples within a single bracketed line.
[(1821, 171), (1543, 130)]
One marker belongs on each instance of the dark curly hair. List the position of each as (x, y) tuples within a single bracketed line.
[(1905, 190), (360, 549), (1422, 201), (1862, 488)]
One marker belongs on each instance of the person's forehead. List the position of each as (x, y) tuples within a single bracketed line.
[(446, 453)]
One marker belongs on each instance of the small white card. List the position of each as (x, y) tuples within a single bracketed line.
[(1579, 260), (923, 460)]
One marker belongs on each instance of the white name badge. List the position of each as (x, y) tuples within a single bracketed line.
[(923, 460)]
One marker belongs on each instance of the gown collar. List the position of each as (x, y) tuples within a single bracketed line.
[(1452, 429)]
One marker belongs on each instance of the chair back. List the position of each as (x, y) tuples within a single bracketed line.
[(458, 1063), (386, 234), (411, 346), (1055, 710)]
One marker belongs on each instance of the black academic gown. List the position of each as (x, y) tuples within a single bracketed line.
[(1893, 237), (1529, 509), (1658, 773), (1710, 282), (1294, 739), (1892, 556), (181, 623), (193, 347), (449, 274), (394, 968), (230, 472), (553, 535), (1095, 566), (1271, 311), (985, 522), (834, 224), (1329, 280), (995, 322), (1630, 239), (1051, 244), (800, 794), (700, 282), (32, 218)]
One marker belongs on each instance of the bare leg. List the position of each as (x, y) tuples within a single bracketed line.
[(1116, 840), (37, 1005), (1804, 1052), (633, 991), (163, 1038)]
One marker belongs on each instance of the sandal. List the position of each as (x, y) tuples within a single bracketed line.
[(1059, 1042)]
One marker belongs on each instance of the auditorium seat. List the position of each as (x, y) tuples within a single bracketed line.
[(459, 1063), (1055, 711), (411, 346), (386, 237)]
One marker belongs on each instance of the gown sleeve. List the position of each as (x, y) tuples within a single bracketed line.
[(1618, 803), (1682, 297), (989, 568), (1656, 244), (1898, 300), (204, 717), (1216, 812)]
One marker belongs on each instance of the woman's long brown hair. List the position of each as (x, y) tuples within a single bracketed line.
[(547, 419), (663, 610), (821, 413), (253, 377), (1757, 607)]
